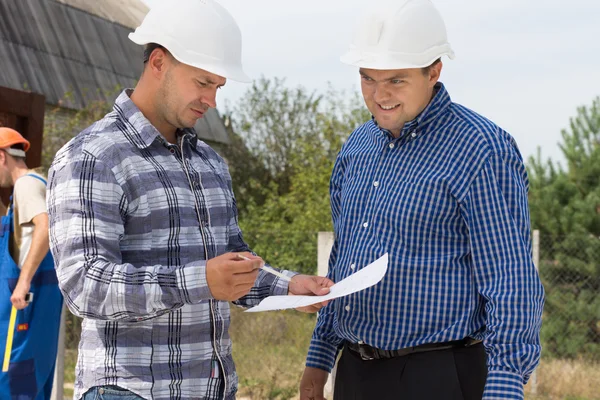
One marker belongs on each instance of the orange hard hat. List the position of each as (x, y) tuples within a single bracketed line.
[(9, 137)]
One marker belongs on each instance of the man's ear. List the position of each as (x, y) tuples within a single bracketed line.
[(434, 73), (157, 62)]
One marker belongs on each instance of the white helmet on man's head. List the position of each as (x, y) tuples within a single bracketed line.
[(412, 36), (199, 33)]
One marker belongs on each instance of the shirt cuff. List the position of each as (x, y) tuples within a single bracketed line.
[(280, 286), (503, 385), (321, 355), (192, 283)]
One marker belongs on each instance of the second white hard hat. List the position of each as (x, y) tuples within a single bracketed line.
[(412, 36), (200, 33)]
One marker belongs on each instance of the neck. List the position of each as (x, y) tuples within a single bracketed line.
[(397, 133), (144, 97), (18, 171)]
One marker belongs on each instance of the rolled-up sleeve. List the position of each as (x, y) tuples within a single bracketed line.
[(87, 209)]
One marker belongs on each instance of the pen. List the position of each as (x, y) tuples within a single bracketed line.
[(268, 269)]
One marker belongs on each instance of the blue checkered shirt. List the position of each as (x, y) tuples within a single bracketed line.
[(126, 226), (448, 201)]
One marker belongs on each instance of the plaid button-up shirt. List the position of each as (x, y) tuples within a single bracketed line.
[(132, 219)]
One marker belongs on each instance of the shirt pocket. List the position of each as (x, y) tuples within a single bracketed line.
[(415, 211)]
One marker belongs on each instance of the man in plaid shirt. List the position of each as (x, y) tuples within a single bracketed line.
[(143, 224)]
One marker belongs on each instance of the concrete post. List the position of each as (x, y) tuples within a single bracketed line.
[(324, 250), (59, 370)]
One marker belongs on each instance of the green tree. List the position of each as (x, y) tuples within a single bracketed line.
[(61, 124), (290, 138), (565, 207)]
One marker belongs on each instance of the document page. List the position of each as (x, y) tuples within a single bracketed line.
[(365, 278)]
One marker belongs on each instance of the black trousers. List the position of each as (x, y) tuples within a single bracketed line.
[(452, 374)]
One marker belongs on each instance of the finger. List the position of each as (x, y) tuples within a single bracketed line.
[(318, 392), (245, 266), (19, 304), (309, 309), (326, 282), (240, 255), (247, 279), (306, 392), (15, 300), (249, 256), (318, 306), (313, 283)]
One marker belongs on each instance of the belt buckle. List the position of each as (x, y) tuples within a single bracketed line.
[(365, 353)]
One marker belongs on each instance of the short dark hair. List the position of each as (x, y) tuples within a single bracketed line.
[(426, 70), (150, 47)]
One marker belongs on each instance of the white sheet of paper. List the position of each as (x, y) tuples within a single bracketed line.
[(365, 278)]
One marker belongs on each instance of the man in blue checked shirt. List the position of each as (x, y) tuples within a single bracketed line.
[(444, 191), (143, 224)]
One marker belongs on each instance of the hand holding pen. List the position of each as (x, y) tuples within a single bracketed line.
[(268, 269)]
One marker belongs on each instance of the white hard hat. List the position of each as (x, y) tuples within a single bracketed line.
[(200, 33), (414, 36)]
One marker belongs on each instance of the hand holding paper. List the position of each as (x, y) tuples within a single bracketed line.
[(365, 278), (310, 285)]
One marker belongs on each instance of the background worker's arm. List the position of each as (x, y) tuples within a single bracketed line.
[(38, 250)]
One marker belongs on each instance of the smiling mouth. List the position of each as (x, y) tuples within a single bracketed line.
[(388, 108)]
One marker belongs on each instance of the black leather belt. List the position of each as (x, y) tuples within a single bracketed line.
[(366, 352)]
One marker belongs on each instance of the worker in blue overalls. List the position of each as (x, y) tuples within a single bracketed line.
[(27, 279)]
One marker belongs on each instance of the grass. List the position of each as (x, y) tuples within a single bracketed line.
[(269, 350), (70, 361), (566, 380)]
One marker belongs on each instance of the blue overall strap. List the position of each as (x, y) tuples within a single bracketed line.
[(35, 343), (10, 203), (37, 177)]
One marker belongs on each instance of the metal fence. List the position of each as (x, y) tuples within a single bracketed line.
[(269, 348)]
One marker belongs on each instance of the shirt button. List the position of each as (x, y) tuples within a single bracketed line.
[(376, 184), (347, 308), (391, 145), (414, 134), (353, 266), (366, 225), (172, 151), (101, 391), (361, 342)]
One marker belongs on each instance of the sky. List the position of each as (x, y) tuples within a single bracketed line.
[(525, 64)]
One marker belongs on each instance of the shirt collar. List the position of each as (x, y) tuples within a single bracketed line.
[(145, 133), (436, 107)]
